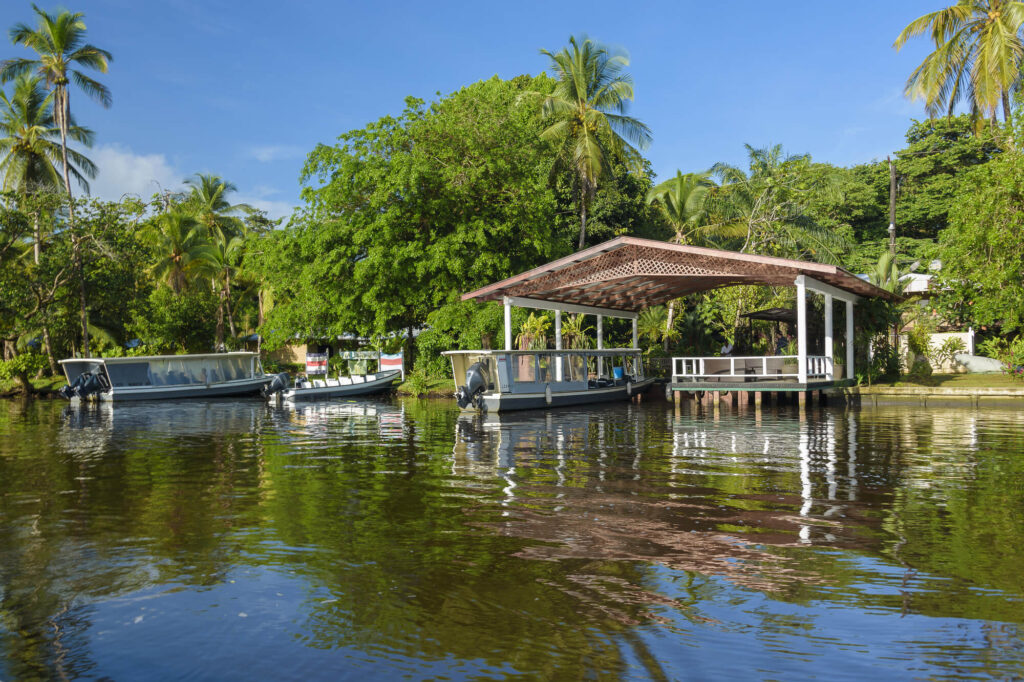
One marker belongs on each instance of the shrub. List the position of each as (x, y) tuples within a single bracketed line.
[(947, 352), (20, 367)]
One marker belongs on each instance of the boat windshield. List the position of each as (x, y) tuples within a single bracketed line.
[(179, 371)]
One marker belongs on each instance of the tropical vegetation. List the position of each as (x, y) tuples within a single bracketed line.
[(402, 215)]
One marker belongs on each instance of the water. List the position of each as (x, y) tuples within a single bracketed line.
[(232, 540)]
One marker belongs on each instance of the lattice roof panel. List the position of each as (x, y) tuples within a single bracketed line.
[(631, 274)]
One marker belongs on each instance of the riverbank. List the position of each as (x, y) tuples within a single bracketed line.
[(950, 389), (46, 387), (432, 387)]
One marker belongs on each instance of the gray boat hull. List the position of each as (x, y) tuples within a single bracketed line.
[(506, 402)]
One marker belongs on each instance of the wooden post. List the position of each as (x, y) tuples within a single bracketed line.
[(508, 324), (849, 340), (801, 329), (558, 344), (831, 374), (757, 398)]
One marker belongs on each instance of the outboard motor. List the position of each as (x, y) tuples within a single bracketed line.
[(473, 390), (277, 384), (71, 390), (90, 383)]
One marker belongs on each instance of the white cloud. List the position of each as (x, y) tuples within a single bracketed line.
[(275, 152), (123, 172), (261, 199)]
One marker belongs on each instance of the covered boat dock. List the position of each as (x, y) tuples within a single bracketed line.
[(623, 276)]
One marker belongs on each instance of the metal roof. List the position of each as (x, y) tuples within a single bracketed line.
[(631, 274)]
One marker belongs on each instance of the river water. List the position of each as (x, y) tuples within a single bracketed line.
[(235, 540)]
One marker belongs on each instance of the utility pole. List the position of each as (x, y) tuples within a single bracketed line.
[(892, 206)]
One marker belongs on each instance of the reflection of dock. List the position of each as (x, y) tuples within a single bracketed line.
[(588, 488)]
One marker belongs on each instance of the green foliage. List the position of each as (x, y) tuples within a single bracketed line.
[(585, 113), (406, 213), (919, 339), (983, 250), (1009, 352), (21, 366), (946, 353), (173, 323), (418, 381), (533, 334)]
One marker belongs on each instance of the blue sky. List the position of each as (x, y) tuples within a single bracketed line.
[(246, 89)]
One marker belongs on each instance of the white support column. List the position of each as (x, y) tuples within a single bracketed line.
[(600, 345), (801, 329), (635, 337), (558, 344), (849, 340), (508, 324), (828, 337)]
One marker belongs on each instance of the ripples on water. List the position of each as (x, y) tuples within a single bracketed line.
[(228, 540)]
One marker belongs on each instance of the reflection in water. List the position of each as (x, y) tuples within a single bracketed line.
[(231, 538)]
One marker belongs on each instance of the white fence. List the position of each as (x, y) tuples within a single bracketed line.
[(780, 367)]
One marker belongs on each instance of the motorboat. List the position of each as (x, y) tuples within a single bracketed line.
[(356, 383), (163, 377), (501, 380)]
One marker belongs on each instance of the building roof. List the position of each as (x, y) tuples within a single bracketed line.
[(631, 274)]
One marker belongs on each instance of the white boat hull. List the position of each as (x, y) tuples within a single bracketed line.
[(382, 382)]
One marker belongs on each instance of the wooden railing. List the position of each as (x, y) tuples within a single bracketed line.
[(780, 367)]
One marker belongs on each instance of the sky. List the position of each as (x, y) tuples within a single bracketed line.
[(246, 89)]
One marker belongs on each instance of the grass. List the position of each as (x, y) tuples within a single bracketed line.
[(45, 385), (434, 387), (955, 381)]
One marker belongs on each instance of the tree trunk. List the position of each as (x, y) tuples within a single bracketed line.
[(668, 324), (49, 349), (220, 318), (583, 221), (227, 304), (36, 236), (62, 108)]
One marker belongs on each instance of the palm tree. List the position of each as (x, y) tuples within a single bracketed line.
[(587, 108), (223, 256), (653, 323), (767, 204), (181, 249), (29, 152), (685, 201), (58, 41), (574, 332), (978, 55), (207, 197)]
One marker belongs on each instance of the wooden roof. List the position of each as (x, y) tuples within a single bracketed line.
[(632, 274)]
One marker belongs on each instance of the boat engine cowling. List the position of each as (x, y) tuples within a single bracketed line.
[(85, 384), (70, 391), (276, 385), (473, 390)]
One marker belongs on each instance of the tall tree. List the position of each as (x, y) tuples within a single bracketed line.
[(978, 55), (768, 204), (587, 109), (208, 199), (59, 42), (180, 248), (30, 155)]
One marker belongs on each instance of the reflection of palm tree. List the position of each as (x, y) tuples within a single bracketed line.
[(588, 108), (978, 55)]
